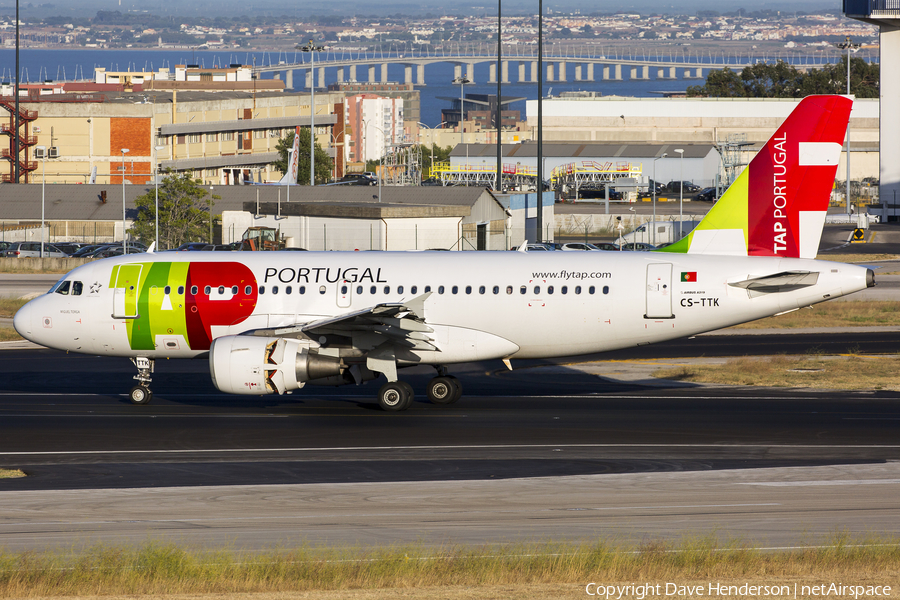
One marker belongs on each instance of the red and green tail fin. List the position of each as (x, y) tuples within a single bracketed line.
[(777, 206)]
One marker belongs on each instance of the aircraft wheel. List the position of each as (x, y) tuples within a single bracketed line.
[(443, 390), (395, 396), (457, 393), (140, 395)]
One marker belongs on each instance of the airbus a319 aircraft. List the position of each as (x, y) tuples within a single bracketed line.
[(272, 322)]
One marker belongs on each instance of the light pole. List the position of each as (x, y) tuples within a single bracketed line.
[(156, 191), (43, 150), (680, 191), (462, 81), (653, 235), (312, 49), (124, 238), (849, 47)]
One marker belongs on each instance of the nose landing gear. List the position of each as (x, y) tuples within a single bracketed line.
[(141, 394)]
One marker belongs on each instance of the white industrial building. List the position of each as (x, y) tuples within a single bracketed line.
[(686, 121), (375, 123)]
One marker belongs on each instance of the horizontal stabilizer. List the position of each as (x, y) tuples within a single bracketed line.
[(778, 283)]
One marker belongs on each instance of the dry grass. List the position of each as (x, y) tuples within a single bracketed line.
[(857, 258), (8, 334), (509, 572), (9, 306), (823, 372), (26, 270), (834, 314), (11, 473)]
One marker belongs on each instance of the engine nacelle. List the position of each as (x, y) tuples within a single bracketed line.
[(245, 364)]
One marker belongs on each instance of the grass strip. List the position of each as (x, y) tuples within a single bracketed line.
[(882, 313), (823, 372), (161, 568), (9, 306), (857, 258), (8, 334), (11, 473)]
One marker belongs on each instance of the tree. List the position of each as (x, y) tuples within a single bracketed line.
[(324, 164), (184, 212), (782, 80)]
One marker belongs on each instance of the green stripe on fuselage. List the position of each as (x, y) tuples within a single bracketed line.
[(159, 315)]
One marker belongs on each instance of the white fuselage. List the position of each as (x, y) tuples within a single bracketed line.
[(482, 305)]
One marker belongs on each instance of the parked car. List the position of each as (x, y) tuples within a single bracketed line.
[(579, 246), (707, 195), (191, 247), (689, 188), (607, 247), (114, 251), (32, 250), (85, 250), (432, 181), (3, 247), (536, 248), (69, 247), (639, 246)]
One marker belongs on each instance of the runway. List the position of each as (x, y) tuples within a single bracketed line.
[(548, 452)]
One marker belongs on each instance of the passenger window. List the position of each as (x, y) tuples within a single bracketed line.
[(274, 289), (387, 289), (440, 289), (605, 289), (496, 289), (399, 289), (509, 289), (64, 288), (302, 289), (591, 290), (207, 290), (373, 289), (549, 289), (523, 290), (234, 290), (322, 289), (262, 290), (577, 289), (359, 289), (564, 290), (167, 290), (481, 289), (537, 289), (455, 289), (469, 289), (427, 288), (180, 290), (344, 289), (193, 290), (77, 287), (248, 290), (413, 289), (288, 290), (221, 290)]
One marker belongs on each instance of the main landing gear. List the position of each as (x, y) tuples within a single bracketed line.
[(141, 394), (395, 396)]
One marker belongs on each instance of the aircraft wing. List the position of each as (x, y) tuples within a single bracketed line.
[(402, 324)]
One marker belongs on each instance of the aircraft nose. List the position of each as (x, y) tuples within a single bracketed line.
[(22, 321)]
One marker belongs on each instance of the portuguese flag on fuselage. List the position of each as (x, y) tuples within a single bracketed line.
[(689, 276)]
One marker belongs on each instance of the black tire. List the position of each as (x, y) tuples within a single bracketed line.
[(140, 395), (394, 396), (442, 390), (457, 394)]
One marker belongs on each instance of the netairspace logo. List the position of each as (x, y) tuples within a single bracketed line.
[(719, 590)]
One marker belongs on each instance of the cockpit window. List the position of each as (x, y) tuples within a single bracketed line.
[(63, 288), (77, 288), (56, 285)]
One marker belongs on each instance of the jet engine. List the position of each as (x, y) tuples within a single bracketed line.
[(244, 364)]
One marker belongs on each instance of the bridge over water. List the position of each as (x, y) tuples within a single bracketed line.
[(563, 62)]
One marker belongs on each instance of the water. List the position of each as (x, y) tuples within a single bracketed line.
[(38, 65)]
